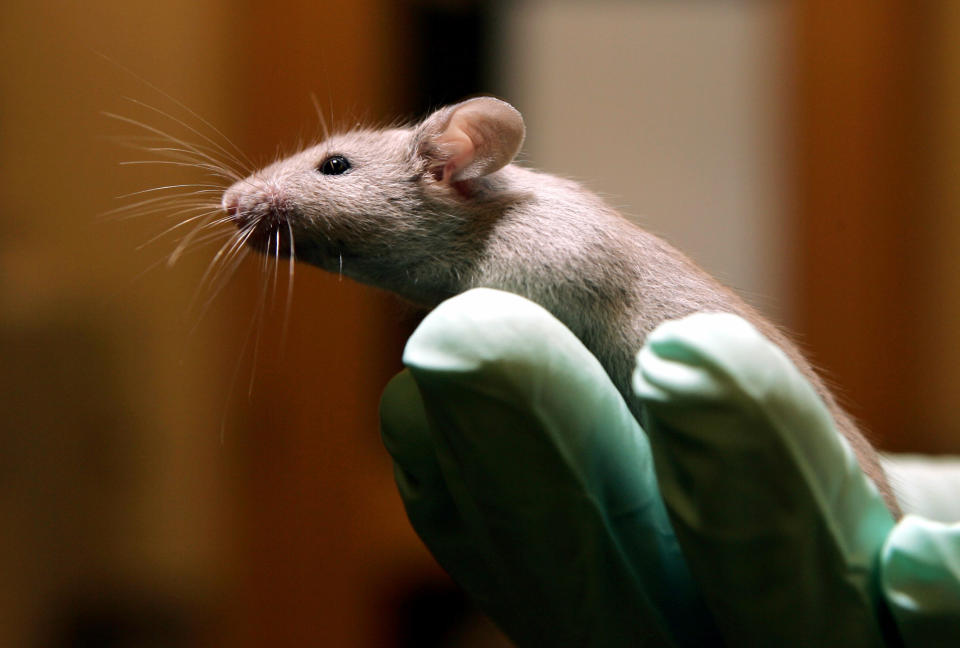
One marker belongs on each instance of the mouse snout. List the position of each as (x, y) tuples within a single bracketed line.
[(230, 206), (239, 208), (254, 201)]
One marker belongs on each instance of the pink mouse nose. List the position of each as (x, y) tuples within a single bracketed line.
[(231, 206)]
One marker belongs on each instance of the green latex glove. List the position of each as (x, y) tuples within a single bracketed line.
[(920, 564), (522, 470), (769, 504), (921, 581), (531, 483), (779, 525)]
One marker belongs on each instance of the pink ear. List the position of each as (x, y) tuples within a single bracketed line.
[(471, 139)]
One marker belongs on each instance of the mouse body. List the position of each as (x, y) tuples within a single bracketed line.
[(439, 207)]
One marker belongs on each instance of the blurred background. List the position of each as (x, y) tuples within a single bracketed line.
[(163, 484)]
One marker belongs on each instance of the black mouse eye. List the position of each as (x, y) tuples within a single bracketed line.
[(334, 165)]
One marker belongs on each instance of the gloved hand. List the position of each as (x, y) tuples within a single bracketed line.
[(532, 484), (528, 479)]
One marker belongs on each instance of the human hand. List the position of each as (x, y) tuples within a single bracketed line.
[(526, 476), (528, 479)]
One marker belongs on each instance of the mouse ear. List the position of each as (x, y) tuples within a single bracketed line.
[(470, 139)]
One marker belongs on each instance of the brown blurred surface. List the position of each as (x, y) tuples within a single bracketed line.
[(939, 426), (323, 530), (113, 480), (876, 147), (127, 519)]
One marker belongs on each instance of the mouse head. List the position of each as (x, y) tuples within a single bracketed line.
[(375, 203)]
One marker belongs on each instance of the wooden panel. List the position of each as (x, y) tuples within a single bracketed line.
[(111, 488), (937, 344), (858, 205), (323, 532), (123, 508)]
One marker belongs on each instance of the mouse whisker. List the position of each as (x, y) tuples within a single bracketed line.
[(232, 246), (202, 188), (276, 262), (181, 105), (194, 152), (320, 116), (185, 241), (165, 204), (260, 311), (167, 136), (159, 206), (199, 242), (153, 206), (162, 139), (180, 157), (220, 269), (216, 171), (217, 222), (179, 224), (230, 156), (163, 145), (179, 154), (218, 174), (289, 300)]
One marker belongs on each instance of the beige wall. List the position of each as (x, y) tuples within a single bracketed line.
[(804, 153), (675, 112)]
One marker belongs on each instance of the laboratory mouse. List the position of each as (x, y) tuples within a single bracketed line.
[(437, 208)]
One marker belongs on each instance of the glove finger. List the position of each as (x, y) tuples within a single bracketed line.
[(667, 380), (553, 476), (779, 526), (430, 507), (406, 436), (920, 570)]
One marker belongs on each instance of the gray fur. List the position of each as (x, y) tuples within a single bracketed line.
[(393, 221)]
